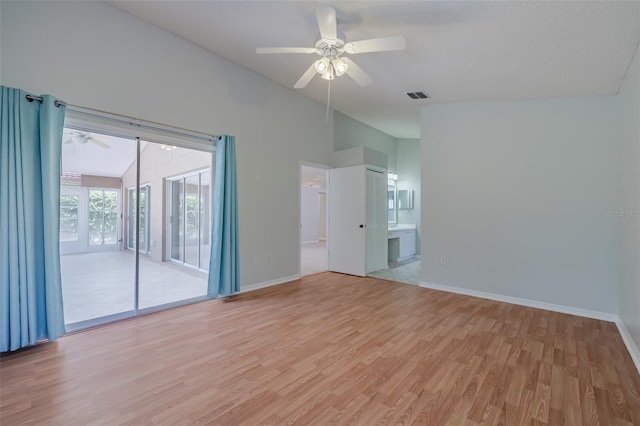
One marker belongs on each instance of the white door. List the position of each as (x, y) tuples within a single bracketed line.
[(347, 219), (377, 222)]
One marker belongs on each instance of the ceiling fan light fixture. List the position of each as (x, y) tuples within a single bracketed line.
[(322, 66), (340, 65), (329, 75)]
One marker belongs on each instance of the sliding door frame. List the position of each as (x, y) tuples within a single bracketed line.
[(171, 222), (87, 120)]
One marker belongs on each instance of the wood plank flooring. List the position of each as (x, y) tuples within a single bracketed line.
[(330, 349)]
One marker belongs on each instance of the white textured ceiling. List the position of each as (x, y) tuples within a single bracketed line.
[(457, 51), (91, 159)]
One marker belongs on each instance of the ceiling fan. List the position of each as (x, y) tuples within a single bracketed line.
[(331, 49), (82, 138)]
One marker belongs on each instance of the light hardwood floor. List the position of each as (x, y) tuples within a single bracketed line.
[(330, 349)]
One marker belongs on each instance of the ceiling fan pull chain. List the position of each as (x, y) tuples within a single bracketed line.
[(326, 117)]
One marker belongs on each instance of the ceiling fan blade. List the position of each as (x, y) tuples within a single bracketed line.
[(99, 143), (376, 45), (326, 17), (306, 77), (357, 73), (263, 50), (68, 141)]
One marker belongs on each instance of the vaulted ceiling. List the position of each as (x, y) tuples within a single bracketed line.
[(457, 51)]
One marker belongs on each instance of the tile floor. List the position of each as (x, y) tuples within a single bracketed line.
[(100, 284), (407, 271), (314, 259)]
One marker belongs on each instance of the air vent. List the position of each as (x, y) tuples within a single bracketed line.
[(418, 95)]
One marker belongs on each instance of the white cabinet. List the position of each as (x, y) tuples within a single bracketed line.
[(407, 243), (402, 244), (357, 220)]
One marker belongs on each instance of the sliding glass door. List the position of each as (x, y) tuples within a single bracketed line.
[(102, 222), (189, 219), (97, 272), (176, 231), (145, 214)]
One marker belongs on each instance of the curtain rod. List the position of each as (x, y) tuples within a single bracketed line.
[(32, 98), (130, 120)]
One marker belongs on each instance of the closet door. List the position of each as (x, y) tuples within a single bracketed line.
[(347, 219), (376, 227)]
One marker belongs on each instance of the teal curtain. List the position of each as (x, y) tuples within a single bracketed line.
[(30, 284), (224, 268)]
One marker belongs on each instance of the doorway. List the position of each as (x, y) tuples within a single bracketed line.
[(314, 254)]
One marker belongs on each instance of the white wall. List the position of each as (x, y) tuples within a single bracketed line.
[(93, 55), (408, 161), (349, 133), (513, 194), (628, 110), (310, 214)]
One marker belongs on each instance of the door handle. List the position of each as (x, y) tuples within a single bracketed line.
[(362, 226)]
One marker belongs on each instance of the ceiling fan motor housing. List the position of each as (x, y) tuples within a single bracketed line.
[(330, 48)]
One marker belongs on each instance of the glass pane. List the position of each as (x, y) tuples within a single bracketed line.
[(96, 210), (176, 219), (110, 221), (169, 273), (192, 220), (205, 220), (97, 274), (68, 218), (143, 220), (131, 219)]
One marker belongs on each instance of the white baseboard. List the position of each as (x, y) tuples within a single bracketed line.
[(264, 284), (604, 316), (629, 343), (310, 242)]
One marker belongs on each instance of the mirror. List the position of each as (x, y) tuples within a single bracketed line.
[(391, 203), (405, 199)]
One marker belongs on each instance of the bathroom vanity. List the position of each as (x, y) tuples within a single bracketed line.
[(402, 242)]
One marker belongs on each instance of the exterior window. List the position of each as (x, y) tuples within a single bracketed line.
[(69, 218), (103, 217)]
